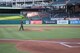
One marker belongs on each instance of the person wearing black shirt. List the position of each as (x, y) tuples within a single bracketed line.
[(21, 25)]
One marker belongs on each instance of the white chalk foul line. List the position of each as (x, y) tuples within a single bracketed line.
[(65, 45)]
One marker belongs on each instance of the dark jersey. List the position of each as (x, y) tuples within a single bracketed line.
[(21, 27), (21, 23)]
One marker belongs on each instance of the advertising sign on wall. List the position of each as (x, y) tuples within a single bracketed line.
[(36, 22), (62, 21), (74, 21), (50, 22), (27, 21)]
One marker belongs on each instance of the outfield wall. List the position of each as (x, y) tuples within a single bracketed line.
[(13, 22), (40, 21)]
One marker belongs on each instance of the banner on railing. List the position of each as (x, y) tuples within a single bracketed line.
[(36, 22), (62, 21)]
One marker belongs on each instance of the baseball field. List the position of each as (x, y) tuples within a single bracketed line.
[(40, 39)]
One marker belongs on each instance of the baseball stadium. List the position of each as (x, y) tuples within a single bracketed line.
[(39, 26)]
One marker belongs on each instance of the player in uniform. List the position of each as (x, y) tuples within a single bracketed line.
[(21, 26)]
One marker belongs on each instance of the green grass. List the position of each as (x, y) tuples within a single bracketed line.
[(17, 17), (9, 17), (13, 33), (9, 48), (55, 33)]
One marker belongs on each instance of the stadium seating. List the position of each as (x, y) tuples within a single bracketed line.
[(59, 15), (74, 1), (75, 15), (4, 4)]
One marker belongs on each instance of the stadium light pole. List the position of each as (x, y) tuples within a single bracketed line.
[(6, 2), (24, 2), (67, 8), (42, 2), (12, 2), (33, 1), (16, 3)]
